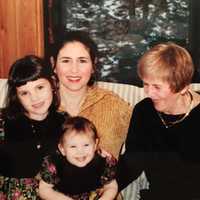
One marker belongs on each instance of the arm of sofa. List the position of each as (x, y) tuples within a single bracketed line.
[(3, 91)]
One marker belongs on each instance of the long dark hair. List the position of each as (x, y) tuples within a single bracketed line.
[(84, 38), (23, 70)]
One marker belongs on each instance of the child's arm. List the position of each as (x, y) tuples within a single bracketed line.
[(109, 191), (47, 192)]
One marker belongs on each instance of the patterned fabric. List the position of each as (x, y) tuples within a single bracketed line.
[(50, 174), (18, 189), (110, 114)]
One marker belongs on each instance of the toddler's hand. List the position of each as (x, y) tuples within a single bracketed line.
[(104, 153)]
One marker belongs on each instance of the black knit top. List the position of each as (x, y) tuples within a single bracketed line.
[(26, 142), (170, 157)]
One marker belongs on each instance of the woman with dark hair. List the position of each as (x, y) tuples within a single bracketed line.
[(75, 61), (30, 126)]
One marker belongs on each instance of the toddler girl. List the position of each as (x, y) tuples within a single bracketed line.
[(79, 171)]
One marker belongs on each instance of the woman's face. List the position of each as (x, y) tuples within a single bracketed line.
[(161, 94), (36, 98), (74, 66)]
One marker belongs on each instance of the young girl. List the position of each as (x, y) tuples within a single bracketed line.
[(79, 169), (30, 126)]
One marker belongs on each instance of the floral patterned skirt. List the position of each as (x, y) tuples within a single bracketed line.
[(18, 189)]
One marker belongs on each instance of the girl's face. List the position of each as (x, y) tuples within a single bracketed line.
[(36, 97), (78, 148), (159, 91), (74, 66)]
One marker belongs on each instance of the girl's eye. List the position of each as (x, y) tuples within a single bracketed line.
[(23, 93), (157, 87), (65, 61), (73, 146), (86, 145), (40, 87)]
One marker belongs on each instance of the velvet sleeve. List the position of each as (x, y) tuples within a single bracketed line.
[(134, 160), (109, 171), (48, 171)]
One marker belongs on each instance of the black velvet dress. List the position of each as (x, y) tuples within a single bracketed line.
[(80, 183), (24, 143)]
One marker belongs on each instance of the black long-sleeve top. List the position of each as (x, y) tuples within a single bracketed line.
[(26, 142), (170, 157)]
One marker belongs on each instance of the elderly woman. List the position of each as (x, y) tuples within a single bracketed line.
[(163, 137)]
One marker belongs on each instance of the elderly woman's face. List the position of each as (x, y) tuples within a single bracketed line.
[(164, 99), (74, 66)]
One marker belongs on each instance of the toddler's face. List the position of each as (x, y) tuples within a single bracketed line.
[(78, 148)]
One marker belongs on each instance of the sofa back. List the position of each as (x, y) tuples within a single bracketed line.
[(3, 90), (129, 93)]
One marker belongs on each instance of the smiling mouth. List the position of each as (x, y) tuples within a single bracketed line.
[(74, 79), (38, 105), (81, 159)]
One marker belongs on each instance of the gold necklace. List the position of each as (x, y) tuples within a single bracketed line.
[(170, 124)]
